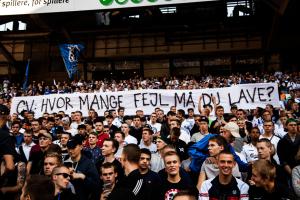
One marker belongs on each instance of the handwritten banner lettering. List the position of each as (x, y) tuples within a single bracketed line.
[(246, 96)]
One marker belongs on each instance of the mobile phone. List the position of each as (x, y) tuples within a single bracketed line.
[(107, 186)]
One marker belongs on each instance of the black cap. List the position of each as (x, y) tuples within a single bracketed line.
[(204, 119), (76, 140), (4, 110), (81, 126), (147, 126)]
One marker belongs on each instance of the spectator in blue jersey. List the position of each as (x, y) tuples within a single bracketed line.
[(199, 151)]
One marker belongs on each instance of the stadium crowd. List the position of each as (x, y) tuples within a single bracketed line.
[(179, 155)]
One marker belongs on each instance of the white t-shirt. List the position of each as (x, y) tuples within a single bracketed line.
[(184, 136), (152, 148), (250, 152), (129, 139), (155, 127), (74, 125), (274, 140)]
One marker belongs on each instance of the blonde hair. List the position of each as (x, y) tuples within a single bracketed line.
[(265, 169)]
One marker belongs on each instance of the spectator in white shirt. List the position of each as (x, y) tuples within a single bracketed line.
[(147, 136), (154, 125), (77, 120), (129, 139), (249, 150)]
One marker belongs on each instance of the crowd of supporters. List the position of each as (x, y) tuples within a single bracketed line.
[(244, 154), (286, 81)]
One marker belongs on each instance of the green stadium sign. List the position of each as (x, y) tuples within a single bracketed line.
[(17, 7)]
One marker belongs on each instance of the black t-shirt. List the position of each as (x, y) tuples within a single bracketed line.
[(137, 133), (134, 182), (280, 192), (7, 146), (66, 195), (180, 147), (153, 184), (121, 193), (170, 189)]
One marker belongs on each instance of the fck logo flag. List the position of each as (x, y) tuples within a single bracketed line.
[(70, 54)]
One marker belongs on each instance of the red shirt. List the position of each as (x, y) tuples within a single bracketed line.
[(101, 138)]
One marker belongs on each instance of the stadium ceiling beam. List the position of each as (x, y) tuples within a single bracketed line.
[(38, 21), (280, 9), (29, 35), (278, 6), (6, 54), (66, 34)]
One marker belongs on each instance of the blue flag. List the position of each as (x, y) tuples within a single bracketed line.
[(70, 54), (26, 76)]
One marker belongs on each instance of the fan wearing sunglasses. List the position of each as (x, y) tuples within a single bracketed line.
[(61, 179)]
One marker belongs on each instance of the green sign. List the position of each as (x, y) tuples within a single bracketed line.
[(122, 2)]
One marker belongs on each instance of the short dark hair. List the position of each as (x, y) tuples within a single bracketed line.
[(146, 151), (220, 140), (190, 109), (227, 152), (115, 143), (67, 133), (171, 113), (132, 153), (136, 116), (39, 187), (181, 112), (108, 165), (121, 108), (175, 131), (50, 119), (186, 193), (123, 134), (219, 107)]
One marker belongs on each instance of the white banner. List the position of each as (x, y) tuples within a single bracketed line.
[(246, 96), (15, 7)]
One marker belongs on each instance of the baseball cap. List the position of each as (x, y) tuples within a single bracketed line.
[(233, 128), (204, 119), (73, 142), (45, 134), (4, 110), (163, 138), (147, 126)]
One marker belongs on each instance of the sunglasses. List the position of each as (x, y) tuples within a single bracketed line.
[(65, 175)]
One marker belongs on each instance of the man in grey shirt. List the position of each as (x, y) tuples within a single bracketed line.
[(203, 129)]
